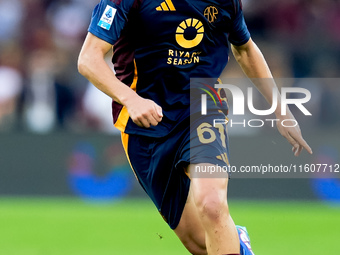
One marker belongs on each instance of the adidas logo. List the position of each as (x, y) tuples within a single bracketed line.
[(167, 5), (223, 157)]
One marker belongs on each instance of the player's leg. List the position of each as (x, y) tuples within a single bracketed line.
[(210, 198), (190, 229), (206, 211), (170, 199), (205, 220)]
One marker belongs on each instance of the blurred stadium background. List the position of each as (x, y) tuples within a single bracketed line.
[(65, 186)]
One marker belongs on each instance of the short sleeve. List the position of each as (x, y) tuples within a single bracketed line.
[(239, 34), (109, 18)]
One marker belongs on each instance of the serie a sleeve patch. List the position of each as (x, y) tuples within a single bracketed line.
[(107, 17)]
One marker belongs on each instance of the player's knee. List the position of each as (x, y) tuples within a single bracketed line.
[(212, 206)]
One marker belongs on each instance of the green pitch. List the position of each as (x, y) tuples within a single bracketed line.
[(71, 227)]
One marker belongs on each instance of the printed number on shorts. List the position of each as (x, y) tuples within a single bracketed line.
[(206, 133)]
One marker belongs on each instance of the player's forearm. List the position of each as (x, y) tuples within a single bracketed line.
[(255, 67), (251, 60)]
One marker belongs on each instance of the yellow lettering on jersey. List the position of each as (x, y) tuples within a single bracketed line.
[(176, 57)]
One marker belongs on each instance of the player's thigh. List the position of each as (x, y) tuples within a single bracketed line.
[(190, 229)]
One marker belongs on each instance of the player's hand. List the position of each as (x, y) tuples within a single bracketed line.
[(293, 134), (144, 112)]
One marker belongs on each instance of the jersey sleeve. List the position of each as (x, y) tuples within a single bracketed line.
[(239, 34), (109, 18)]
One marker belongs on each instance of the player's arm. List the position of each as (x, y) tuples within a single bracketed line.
[(91, 64), (254, 66)]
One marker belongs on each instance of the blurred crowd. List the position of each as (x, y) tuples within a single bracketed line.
[(41, 90)]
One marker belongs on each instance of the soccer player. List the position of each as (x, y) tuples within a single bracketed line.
[(158, 46)]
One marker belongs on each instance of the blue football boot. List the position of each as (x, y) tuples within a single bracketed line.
[(244, 241)]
